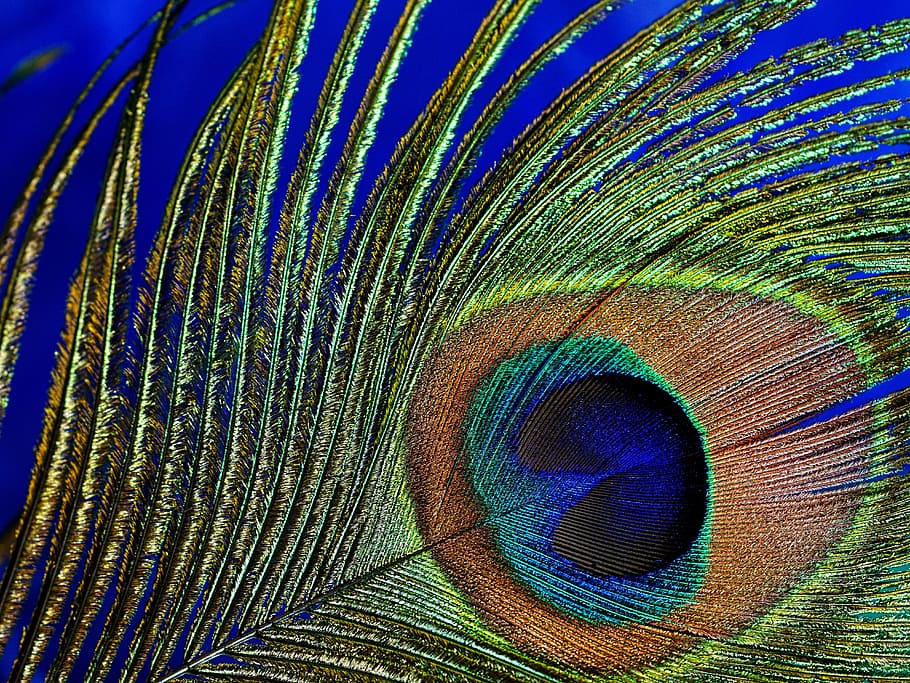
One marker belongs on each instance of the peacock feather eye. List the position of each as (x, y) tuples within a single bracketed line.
[(618, 396), (640, 463)]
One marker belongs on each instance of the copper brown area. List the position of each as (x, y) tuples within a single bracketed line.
[(745, 367)]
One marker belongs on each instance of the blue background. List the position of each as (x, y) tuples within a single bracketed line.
[(191, 72)]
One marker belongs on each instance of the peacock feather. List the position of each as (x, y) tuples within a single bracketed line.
[(628, 403)]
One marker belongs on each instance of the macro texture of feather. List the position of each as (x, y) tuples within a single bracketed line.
[(332, 438)]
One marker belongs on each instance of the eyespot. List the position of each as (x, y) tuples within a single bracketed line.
[(749, 506), (594, 475)]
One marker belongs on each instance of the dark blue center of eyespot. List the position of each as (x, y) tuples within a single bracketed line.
[(650, 497)]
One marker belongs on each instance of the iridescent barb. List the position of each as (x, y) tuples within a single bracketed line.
[(384, 446)]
